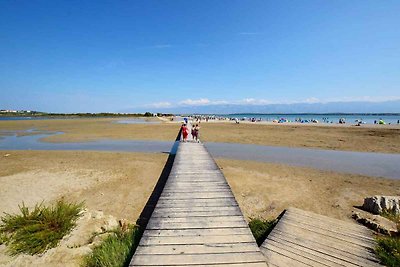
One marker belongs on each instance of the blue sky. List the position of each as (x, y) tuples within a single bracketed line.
[(91, 56)]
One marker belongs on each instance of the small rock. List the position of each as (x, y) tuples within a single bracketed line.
[(378, 204), (110, 223), (7, 155), (97, 215)]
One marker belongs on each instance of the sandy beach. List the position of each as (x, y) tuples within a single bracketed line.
[(89, 129), (113, 186), (368, 138), (264, 190), (116, 185)]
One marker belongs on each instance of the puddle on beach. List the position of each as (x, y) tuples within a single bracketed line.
[(371, 164), (17, 140)]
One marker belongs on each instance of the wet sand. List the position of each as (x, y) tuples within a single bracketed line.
[(363, 163), (264, 190), (385, 139), (366, 138), (89, 129)]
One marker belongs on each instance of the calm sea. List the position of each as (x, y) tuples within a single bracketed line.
[(323, 118)]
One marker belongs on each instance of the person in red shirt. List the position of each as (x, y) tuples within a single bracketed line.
[(184, 132)]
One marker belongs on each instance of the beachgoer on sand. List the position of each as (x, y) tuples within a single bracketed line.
[(184, 132), (197, 133), (193, 132)]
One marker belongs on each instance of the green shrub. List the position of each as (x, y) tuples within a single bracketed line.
[(261, 229), (388, 250), (33, 232), (116, 250)]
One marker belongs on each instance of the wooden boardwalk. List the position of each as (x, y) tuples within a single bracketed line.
[(306, 239), (197, 221)]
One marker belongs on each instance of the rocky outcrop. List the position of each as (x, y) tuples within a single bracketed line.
[(378, 204), (376, 222)]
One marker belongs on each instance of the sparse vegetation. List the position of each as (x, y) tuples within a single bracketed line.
[(388, 247), (116, 249), (33, 232), (261, 229), (388, 250), (393, 216)]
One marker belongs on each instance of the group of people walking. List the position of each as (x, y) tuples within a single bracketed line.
[(194, 132)]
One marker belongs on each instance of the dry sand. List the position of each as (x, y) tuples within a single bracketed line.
[(264, 190), (113, 186), (116, 183), (353, 138), (80, 130)]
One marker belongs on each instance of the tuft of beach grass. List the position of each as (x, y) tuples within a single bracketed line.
[(388, 247), (116, 250), (261, 229), (34, 231), (388, 250)]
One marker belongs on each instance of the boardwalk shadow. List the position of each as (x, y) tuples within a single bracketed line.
[(155, 195), (148, 209)]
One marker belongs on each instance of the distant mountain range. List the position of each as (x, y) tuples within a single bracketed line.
[(330, 107)]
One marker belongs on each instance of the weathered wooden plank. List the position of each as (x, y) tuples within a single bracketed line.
[(187, 204), (337, 235), (301, 239), (321, 256), (247, 264), (198, 202), (161, 209), (197, 259), (360, 258), (190, 183), (282, 258), (198, 232), (195, 222), (197, 189), (195, 240), (236, 218), (327, 223), (325, 240), (213, 213), (217, 196), (198, 249)]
